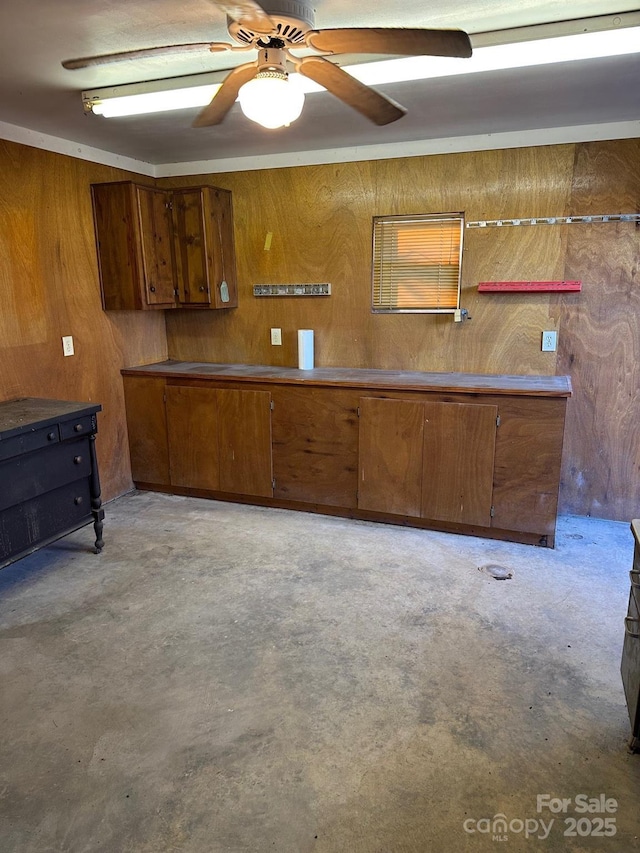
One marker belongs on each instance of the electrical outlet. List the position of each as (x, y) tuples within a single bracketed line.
[(67, 345), (549, 341), (276, 337)]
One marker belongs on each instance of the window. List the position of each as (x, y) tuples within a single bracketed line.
[(416, 263)]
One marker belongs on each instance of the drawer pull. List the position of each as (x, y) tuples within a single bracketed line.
[(51, 436), (152, 289), (77, 501), (628, 623), (77, 460), (78, 428)]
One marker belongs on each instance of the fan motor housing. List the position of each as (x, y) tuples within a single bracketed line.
[(293, 19)]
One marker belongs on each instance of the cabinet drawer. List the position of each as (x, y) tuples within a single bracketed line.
[(34, 474), (46, 517), (79, 426), (29, 441), (630, 668)]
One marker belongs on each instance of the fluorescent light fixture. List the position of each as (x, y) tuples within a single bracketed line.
[(528, 47), (155, 102), (499, 57)]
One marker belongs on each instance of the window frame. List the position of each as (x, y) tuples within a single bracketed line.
[(415, 218)]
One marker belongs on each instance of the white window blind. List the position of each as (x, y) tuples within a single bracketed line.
[(416, 262)]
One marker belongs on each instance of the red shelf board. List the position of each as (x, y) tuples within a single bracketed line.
[(528, 286)]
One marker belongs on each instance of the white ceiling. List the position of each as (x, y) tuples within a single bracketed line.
[(40, 102)]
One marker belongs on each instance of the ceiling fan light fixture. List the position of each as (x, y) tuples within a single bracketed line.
[(271, 99)]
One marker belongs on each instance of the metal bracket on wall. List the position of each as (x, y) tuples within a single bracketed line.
[(292, 289), (592, 219)]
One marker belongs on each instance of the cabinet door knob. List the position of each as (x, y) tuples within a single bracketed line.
[(51, 436), (201, 288), (152, 288), (78, 428), (77, 460), (77, 501)]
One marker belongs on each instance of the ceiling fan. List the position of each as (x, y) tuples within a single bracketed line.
[(275, 28)]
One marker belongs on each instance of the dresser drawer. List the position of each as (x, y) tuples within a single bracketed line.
[(25, 477), (77, 426), (631, 663), (28, 441), (34, 522)]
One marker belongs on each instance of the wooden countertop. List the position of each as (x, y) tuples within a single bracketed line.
[(461, 383)]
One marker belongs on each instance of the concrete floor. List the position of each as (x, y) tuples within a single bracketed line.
[(230, 678)]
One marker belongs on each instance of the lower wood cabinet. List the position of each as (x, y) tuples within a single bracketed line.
[(315, 445), (212, 439), (458, 462), (244, 442), (192, 435), (390, 458), (465, 453), (427, 459)]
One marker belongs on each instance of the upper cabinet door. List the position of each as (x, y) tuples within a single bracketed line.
[(204, 247), (458, 462), (191, 247), (133, 236), (157, 246)]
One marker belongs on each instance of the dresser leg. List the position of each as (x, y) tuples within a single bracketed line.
[(96, 502)]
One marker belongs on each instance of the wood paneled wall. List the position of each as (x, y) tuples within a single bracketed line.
[(49, 288), (600, 338), (320, 221)]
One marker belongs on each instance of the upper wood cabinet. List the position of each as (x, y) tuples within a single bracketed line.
[(164, 249), (135, 246), (204, 247)]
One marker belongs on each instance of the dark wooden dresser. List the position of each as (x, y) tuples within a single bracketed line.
[(49, 483), (631, 649)]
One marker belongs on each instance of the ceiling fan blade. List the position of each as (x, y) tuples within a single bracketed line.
[(144, 53), (406, 42), (249, 14), (376, 107), (216, 111)]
